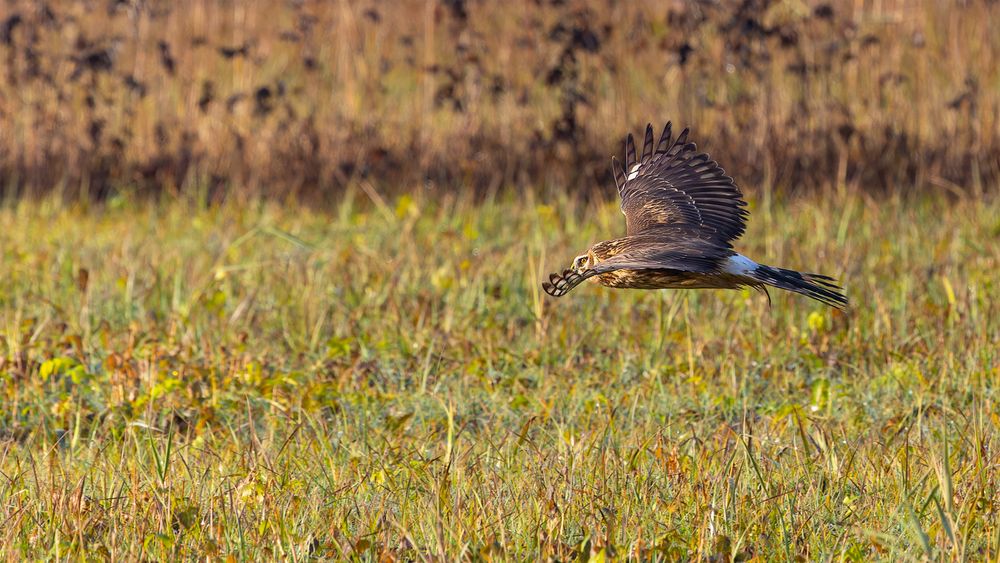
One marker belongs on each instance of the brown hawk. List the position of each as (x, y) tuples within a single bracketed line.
[(681, 215)]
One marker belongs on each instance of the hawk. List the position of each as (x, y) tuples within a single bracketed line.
[(682, 214)]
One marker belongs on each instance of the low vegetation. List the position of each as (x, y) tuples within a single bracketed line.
[(258, 381)]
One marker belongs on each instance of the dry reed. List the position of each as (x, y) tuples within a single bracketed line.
[(304, 98)]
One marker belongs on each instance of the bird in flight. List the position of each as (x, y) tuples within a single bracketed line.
[(682, 214)]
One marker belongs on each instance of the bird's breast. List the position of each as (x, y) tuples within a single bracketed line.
[(663, 279)]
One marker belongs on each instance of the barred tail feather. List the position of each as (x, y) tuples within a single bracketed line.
[(817, 286)]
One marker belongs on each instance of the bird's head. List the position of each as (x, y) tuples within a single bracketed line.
[(584, 262)]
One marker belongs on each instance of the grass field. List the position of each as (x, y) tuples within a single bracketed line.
[(263, 381), (270, 282)]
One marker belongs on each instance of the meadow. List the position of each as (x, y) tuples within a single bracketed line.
[(266, 381), (270, 283)]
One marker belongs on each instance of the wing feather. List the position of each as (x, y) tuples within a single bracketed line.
[(676, 184), (619, 172), (647, 145), (692, 256), (665, 136)]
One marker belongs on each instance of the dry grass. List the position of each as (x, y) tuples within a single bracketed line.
[(305, 98), (264, 382)]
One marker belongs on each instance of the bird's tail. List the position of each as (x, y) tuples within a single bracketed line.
[(821, 288)]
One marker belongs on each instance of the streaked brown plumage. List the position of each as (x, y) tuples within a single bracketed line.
[(682, 214)]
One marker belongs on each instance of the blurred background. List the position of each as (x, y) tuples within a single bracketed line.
[(270, 282), (303, 98)]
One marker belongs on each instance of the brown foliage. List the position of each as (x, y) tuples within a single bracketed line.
[(302, 98)]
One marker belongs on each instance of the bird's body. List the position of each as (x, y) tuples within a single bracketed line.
[(681, 214), (653, 247)]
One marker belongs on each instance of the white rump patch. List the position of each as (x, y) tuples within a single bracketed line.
[(739, 265), (634, 172)]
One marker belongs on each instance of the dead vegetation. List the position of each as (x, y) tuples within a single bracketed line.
[(303, 98)]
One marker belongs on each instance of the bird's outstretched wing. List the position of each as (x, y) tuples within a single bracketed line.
[(646, 258), (674, 184)]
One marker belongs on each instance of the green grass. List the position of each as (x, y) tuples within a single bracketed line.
[(388, 379)]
